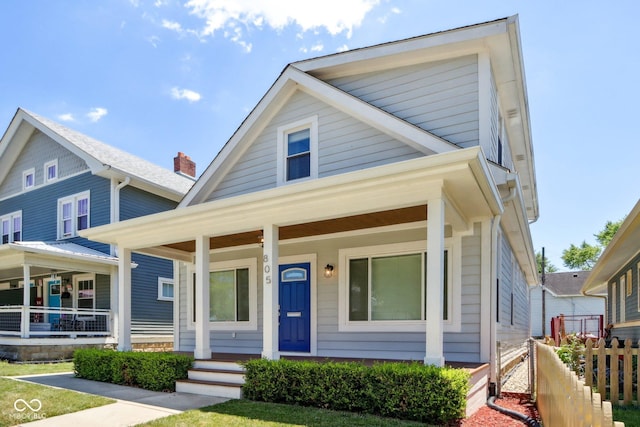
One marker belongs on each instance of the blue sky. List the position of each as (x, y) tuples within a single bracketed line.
[(155, 77)]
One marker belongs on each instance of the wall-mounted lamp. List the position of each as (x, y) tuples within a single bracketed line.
[(261, 240), (328, 271)]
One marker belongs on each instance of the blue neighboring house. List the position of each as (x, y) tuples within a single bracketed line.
[(55, 182)]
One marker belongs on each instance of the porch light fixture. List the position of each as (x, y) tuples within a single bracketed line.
[(328, 271), (261, 240)]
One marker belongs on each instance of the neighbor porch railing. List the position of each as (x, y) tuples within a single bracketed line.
[(613, 368), (562, 399), (37, 321)]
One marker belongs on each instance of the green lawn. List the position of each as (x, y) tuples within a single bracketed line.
[(630, 415), (46, 402), (245, 413)]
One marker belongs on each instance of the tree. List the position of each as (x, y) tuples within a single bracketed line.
[(585, 256), (548, 267)]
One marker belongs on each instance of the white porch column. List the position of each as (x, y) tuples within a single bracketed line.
[(435, 265), (123, 315), (203, 339), (114, 302), (26, 301), (270, 291)]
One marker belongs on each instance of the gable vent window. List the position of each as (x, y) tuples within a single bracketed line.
[(298, 151), (11, 227), (73, 215)]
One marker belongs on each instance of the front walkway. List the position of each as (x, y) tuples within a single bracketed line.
[(133, 406)]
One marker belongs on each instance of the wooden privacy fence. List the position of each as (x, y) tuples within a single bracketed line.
[(562, 399), (614, 369)]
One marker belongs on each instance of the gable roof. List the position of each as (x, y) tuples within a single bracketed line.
[(500, 38), (622, 248), (103, 159), (564, 284)]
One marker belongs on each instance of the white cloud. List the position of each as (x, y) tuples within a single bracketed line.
[(96, 114), (67, 117), (233, 17), (187, 94), (173, 26), (342, 48), (318, 47)]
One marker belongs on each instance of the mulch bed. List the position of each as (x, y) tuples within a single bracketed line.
[(487, 417)]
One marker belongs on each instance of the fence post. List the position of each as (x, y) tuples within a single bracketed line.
[(628, 372), (614, 367), (588, 363), (602, 368), (532, 367)]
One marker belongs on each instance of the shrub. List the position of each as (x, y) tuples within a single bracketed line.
[(151, 371), (571, 353), (400, 390)]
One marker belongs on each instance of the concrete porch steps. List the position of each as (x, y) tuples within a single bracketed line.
[(214, 378)]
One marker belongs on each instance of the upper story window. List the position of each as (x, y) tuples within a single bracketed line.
[(298, 150), (11, 227), (51, 171), (73, 215), (28, 179)]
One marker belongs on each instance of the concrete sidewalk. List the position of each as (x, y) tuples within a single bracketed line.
[(133, 406)]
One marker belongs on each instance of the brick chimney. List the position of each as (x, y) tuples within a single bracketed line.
[(184, 165)]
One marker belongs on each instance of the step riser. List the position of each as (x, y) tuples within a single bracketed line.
[(209, 390), (213, 365), (217, 376)]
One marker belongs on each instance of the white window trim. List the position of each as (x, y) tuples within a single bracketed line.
[(48, 180), (623, 297), (452, 324), (73, 198), (76, 298), (312, 124), (162, 281), (614, 304), (26, 173), (10, 217), (252, 324)]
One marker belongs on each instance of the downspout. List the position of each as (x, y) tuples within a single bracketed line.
[(493, 375), (115, 212)]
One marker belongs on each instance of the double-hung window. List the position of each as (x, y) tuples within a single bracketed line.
[(298, 150), (385, 288), (73, 215), (11, 227), (51, 171), (28, 179)]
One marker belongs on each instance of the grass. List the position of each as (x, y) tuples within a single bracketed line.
[(246, 413), (629, 415), (48, 401)]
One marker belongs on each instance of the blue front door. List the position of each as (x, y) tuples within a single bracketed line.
[(295, 303)]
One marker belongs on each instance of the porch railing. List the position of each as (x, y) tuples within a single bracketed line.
[(37, 321)]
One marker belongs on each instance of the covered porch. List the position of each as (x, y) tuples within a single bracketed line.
[(440, 196)]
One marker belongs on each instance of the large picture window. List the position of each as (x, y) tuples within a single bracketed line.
[(73, 215), (386, 286)]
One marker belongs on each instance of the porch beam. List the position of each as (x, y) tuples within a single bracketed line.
[(26, 301), (123, 316), (203, 339), (270, 291), (434, 354)]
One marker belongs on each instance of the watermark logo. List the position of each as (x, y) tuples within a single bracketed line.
[(28, 411), (21, 405)]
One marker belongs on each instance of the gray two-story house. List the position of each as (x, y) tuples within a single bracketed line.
[(55, 286)]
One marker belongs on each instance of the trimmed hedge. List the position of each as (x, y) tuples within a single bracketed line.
[(151, 371), (399, 390)]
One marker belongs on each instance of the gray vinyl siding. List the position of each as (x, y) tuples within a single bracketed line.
[(462, 346), (440, 97), (513, 322), (39, 150), (344, 144), (632, 302)]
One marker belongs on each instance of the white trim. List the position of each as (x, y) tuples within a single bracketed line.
[(29, 172), (623, 297), (74, 214), (452, 324), (614, 302), (47, 165), (310, 123), (161, 282), (176, 303), (313, 304)]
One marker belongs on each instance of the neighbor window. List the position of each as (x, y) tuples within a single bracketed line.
[(614, 305), (165, 289), (11, 227), (629, 283), (73, 215), (51, 171), (383, 287), (85, 285), (298, 150), (623, 299), (28, 179)]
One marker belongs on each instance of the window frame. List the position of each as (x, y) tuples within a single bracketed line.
[(162, 281), (453, 321), (614, 302), (283, 132), (252, 324), (47, 165), (623, 298), (73, 199), (10, 218), (29, 172)]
